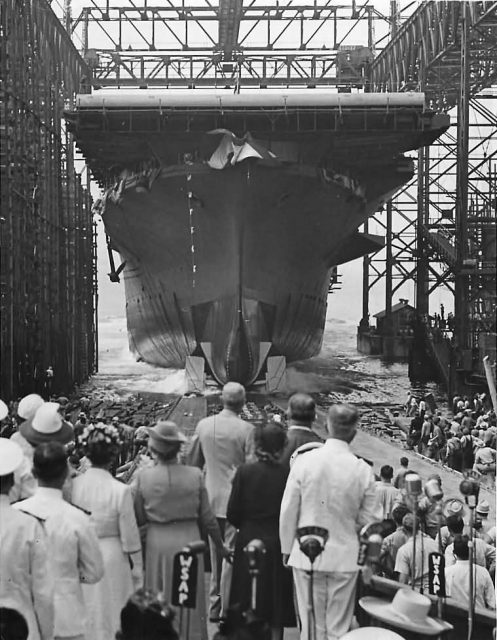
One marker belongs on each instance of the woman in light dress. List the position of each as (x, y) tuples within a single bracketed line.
[(171, 500), (110, 504)]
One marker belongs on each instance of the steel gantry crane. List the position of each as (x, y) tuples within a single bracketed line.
[(438, 227)]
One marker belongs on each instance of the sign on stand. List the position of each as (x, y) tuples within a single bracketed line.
[(436, 574), (185, 569)]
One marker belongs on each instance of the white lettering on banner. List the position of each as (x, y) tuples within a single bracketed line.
[(185, 564), (436, 574)]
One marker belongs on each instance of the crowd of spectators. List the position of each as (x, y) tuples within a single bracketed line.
[(463, 438), (109, 506)]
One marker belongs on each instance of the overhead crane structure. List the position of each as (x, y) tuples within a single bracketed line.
[(446, 49), (439, 227), (48, 251), (447, 213)]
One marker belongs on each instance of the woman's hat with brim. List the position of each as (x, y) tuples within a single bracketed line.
[(47, 425), (164, 434), (11, 456), (408, 610)]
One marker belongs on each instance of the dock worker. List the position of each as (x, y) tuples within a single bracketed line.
[(222, 443)]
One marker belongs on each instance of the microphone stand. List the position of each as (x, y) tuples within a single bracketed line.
[(471, 502), (312, 547)]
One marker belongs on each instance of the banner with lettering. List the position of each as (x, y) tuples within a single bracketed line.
[(436, 574), (184, 588)]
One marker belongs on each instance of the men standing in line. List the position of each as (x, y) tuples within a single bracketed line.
[(222, 443), (73, 551), (328, 487), (26, 584), (301, 416)]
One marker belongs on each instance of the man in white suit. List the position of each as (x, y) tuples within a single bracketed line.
[(329, 487)]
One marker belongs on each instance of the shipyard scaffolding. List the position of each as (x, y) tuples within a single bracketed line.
[(440, 228), (48, 249)]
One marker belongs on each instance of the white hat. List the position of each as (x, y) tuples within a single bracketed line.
[(4, 410), (29, 405), (11, 456), (47, 419), (47, 425), (371, 633), (408, 610)]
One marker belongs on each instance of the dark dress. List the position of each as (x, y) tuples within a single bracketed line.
[(254, 508)]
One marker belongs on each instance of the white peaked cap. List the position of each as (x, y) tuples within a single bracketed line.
[(4, 410), (29, 405), (11, 456), (47, 419)]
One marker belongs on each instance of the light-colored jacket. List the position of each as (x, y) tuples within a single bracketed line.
[(221, 443), (73, 552), (331, 488), (26, 583)]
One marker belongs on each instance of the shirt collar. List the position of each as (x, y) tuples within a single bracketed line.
[(335, 443), (49, 492), (228, 412), (300, 426)]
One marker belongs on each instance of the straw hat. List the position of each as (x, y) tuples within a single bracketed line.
[(483, 507), (29, 405), (408, 610), (47, 425), (164, 434), (4, 410), (454, 507), (371, 633), (11, 456)]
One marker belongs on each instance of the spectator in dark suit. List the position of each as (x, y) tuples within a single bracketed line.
[(301, 416)]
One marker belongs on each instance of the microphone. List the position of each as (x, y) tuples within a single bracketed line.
[(255, 551), (433, 490), (195, 548), (413, 484), (312, 541)]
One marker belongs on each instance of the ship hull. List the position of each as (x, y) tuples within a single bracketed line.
[(235, 264)]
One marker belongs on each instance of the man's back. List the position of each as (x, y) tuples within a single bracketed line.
[(387, 495), (297, 436), (26, 585), (74, 555), (223, 442), (331, 488), (457, 584)]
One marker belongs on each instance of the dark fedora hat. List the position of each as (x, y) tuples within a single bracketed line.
[(47, 425)]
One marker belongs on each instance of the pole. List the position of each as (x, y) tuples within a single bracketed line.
[(471, 607), (490, 381)]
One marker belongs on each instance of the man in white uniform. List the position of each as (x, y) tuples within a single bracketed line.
[(74, 552), (26, 584), (329, 487)]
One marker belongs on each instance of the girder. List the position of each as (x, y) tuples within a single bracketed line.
[(230, 13), (425, 53)]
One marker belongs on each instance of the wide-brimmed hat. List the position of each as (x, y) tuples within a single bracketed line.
[(483, 507), (47, 425), (4, 410), (164, 434), (454, 507), (29, 405), (11, 456), (408, 610)]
